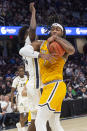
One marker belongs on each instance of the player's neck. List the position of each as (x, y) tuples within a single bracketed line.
[(21, 76)]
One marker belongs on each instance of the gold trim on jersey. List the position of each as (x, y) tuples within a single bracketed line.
[(42, 44), (53, 92), (26, 82), (51, 95)]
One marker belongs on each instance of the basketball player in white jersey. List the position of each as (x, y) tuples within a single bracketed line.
[(31, 65), (26, 36), (19, 84)]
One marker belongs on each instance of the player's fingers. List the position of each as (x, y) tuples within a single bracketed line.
[(31, 4), (51, 59)]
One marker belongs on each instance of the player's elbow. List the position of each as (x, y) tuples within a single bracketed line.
[(21, 52), (71, 51)]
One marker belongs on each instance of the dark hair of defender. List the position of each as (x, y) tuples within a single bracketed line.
[(20, 67), (22, 33)]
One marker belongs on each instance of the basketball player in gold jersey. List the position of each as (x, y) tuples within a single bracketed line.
[(54, 88)]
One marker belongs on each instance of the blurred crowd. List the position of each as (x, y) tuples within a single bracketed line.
[(8, 117), (8, 71), (67, 12), (75, 75)]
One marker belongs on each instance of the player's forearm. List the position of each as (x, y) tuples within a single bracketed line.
[(28, 51), (66, 45), (33, 21), (12, 94), (32, 29)]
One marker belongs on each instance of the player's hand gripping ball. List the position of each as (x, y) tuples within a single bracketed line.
[(56, 48)]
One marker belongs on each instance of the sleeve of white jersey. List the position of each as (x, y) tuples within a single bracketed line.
[(28, 51), (14, 84)]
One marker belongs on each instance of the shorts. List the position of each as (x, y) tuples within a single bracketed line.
[(53, 95), (33, 95), (23, 104)]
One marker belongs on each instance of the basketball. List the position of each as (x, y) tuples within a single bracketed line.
[(54, 47)]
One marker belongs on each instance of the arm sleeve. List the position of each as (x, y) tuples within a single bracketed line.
[(28, 51)]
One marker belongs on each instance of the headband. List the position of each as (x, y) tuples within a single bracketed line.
[(58, 25)]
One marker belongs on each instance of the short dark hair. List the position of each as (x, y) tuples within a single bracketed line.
[(22, 33), (21, 66)]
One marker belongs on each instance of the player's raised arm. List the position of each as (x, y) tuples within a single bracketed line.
[(32, 29)]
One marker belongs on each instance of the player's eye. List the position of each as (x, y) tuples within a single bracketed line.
[(53, 29), (58, 29)]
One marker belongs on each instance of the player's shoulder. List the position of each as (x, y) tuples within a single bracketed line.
[(38, 42), (25, 76), (41, 41), (16, 78)]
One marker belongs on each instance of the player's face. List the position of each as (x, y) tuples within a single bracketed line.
[(21, 72), (55, 30)]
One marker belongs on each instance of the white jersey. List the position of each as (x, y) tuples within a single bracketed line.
[(33, 92), (31, 65), (19, 83), (33, 85)]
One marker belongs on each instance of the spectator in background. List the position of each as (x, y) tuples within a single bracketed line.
[(1, 117), (1, 78), (9, 74), (2, 62), (7, 109), (0, 99), (79, 89), (8, 79), (69, 71), (64, 9), (12, 60), (4, 89), (70, 93), (3, 103), (1, 81), (76, 70), (8, 84), (81, 77), (84, 92)]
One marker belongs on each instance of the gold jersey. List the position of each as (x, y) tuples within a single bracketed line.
[(50, 71)]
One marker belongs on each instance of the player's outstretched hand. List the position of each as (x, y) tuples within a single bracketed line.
[(32, 8)]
